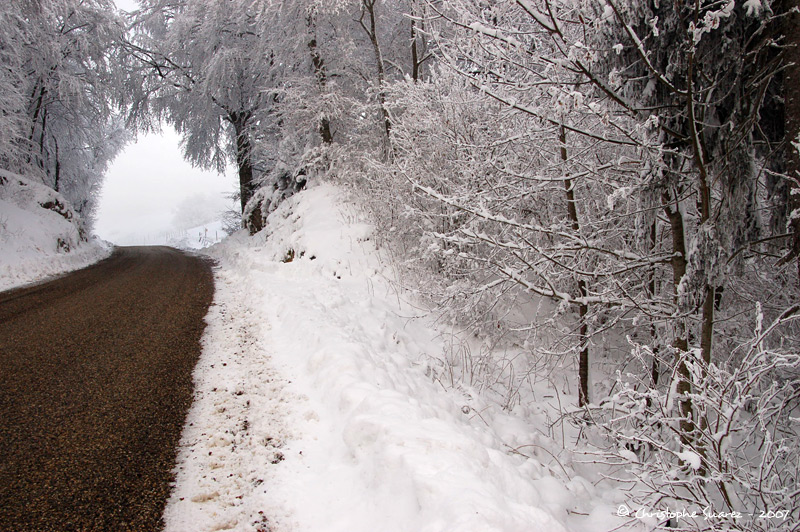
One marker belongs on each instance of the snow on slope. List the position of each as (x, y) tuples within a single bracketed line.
[(314, 409), (39, 234)]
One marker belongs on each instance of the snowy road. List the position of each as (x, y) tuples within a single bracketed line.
[(95, 383)]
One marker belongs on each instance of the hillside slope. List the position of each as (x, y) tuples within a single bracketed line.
[(318, 406), (40, 233)]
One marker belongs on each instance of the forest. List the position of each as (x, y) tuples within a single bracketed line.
[(608, 186)]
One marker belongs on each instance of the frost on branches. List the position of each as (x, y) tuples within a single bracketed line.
[(620, 166), (61, 93)]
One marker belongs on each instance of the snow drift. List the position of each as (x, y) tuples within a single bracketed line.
[(315, 408)]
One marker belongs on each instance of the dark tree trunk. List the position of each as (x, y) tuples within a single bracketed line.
[(419, 46), (583, 308), (681, 342), (42, 161), (415, 63), (38, 104), (369, 9), (322, 79), (57, 177), (247, 187), (704, 189), (583, 359), (38, 114), (651, 291)]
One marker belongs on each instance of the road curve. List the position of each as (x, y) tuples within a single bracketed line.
[(95, 383)]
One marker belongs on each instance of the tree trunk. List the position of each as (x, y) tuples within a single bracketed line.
[(369, 9), (704, 189), (419, 46), (322, 80), (583, 358), (651, 292), (414, 53), (680, 342), (707, 328), (240, 120), (57, 177), (319, 70), (42, 161), (583, 308), (38, 105)]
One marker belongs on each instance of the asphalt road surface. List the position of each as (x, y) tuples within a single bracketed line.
[(95, 383)]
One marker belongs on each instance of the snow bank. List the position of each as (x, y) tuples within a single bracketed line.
[(315, 410), (39, 234)]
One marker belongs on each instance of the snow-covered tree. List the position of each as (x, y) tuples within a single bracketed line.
[(338, 59), (683, 85), (707, 88), (531, 173), (61, 92), (253, 82), (210, 72), (12, 83)]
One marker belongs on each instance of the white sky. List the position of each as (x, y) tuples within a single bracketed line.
[(147, 183), (127, 5)]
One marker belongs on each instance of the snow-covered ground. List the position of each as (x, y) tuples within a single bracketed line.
[(39, 234), (317, 409), (197, 237)]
